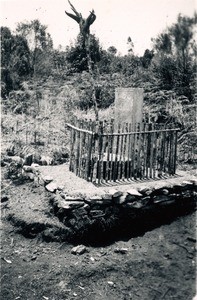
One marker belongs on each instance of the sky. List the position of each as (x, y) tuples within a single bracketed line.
[(116, 19)]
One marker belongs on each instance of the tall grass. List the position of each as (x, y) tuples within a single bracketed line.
[(104, 114)]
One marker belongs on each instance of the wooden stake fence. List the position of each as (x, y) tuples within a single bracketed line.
[(100, 155)]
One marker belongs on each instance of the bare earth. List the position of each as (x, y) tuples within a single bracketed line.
[(159, 264)]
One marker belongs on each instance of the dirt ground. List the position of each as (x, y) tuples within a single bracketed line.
[(160, 264)]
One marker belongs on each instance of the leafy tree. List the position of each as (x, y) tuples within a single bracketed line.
[(130, 45), (20, 58), (112, 50), (6, 45), (127, 64), (36, 35), (40, 44), (105, 62), (175, 52), (163, 43), (130, 63), (6, 48), (147, 58), (76, 54), (59, 61), (15, 58)]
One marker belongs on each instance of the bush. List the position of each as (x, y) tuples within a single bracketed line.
[(14, 170), (60, 156)]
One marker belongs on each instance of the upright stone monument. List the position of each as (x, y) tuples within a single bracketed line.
[(128, 106)]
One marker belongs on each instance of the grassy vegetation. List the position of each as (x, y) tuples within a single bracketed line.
[(43, 124), (47, 87)]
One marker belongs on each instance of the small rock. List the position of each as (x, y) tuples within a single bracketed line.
[(131, 198), (30, 176), (36, 158), (97, 203), (146, 191), (111, 283), (28, 159), (78, 250), (121, 250), (167, 256), (146, 200), (34, 257), (161, 192), (116, 197), (70, 198), (47, 179), (185, 182), (92, 259), (194, 181), (46, 160), (93, 200), (165, 192), (161, 198), (117, 194), (121, 199), (107, 197), (7, 260), (135, 204), (97, 213), (51, 187), (34, 165), (40, 180), (27, 168), (86, 206), (168, 202), (81, 287), (134, 192), (18, 159), (69, 205)]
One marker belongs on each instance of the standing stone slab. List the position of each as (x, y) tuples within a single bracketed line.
[(128, 106)]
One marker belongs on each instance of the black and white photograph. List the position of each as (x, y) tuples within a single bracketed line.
[(98, 150)]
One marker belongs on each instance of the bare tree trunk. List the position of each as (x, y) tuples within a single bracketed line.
[(92, 74), (84, 25)]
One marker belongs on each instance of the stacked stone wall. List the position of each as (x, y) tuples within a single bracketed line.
[(117, 213)]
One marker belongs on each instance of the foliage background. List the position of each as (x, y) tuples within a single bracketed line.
[(43, 87)]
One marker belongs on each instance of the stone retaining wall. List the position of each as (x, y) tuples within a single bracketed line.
[(114, 213), (118, 213)]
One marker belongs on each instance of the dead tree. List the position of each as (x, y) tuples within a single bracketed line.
[(84, 25)]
